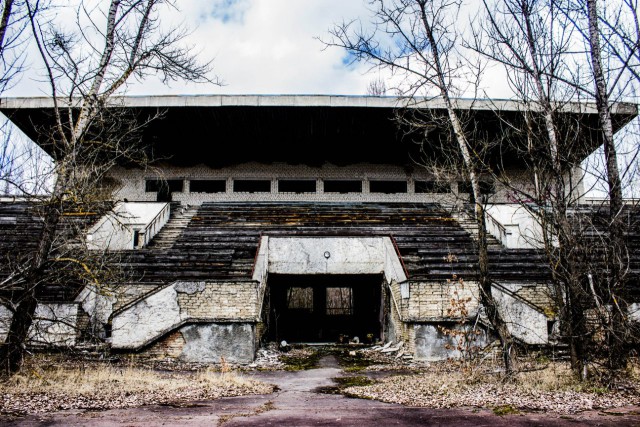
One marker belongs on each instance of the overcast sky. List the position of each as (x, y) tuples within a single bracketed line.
[(258, 47)]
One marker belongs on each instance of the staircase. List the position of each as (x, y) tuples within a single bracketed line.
[(469, 224), (180, 217)]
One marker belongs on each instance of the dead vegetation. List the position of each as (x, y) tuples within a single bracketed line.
[(42, 387), (548, 386)]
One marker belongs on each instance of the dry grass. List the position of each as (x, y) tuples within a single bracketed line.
[(102, 386), (112, 379)]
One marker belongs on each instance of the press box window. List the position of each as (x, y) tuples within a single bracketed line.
[(296, 186), (251, 186), (432, 187), (342, 186), (208, 186), (155, 185), (388, 187), (485, 187), (339, 301), (300, 299)]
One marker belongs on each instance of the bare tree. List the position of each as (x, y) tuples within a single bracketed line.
[(85, 69), (377, 87), (417, 39), (531, 39), (537, 41), (607, 86)]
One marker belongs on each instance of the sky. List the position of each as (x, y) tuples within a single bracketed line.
[(257, 47)]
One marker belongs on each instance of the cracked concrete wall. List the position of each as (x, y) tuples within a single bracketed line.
[(432, 343), (183, 302), (98, 304), (334, 255), (309, 255), (146, 320), (210, 342), (523, 321), (53, 325)]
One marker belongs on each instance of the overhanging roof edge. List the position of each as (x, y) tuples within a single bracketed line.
[(167, 101)]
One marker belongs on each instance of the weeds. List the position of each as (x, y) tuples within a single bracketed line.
[(503, 410)]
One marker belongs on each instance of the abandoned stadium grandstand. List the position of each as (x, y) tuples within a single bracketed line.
[(297, 218)]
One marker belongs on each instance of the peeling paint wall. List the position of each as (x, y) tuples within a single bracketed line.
[(146, 320)]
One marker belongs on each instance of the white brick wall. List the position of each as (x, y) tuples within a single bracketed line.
[(132, 183)]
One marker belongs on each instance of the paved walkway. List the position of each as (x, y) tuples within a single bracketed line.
[(298, 404)]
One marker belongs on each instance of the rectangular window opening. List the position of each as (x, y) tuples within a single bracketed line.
[(300, 299), (388, 187), (342, 186), (156, 185), (486, 187), (432, 187), (339, 301), (296, 186), (208, 186), (251, 186)]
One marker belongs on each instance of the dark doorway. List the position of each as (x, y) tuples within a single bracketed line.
[(164, 188), (324, 308)]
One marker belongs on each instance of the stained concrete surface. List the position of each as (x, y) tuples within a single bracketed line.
[(297, 403)]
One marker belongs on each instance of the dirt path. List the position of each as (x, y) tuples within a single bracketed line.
[(298, 403)]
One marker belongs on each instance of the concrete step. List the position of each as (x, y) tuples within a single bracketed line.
[(178, 221), (471, 227)]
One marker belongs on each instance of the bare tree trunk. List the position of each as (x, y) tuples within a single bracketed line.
[(4, 22), (132, 33), (12, 353), (485, 284), (618, 353)]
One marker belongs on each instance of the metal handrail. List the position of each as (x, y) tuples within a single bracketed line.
[(494, 221)]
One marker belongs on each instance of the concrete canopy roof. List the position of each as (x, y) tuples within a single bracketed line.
[(311, 129)]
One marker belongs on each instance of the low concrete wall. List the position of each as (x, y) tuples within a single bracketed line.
[(208, 343), (54, 325), (431, 343), (181, 303), (523, 321), (116, 230), (523, 229)]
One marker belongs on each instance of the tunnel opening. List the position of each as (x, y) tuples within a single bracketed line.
[(324, 308)]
